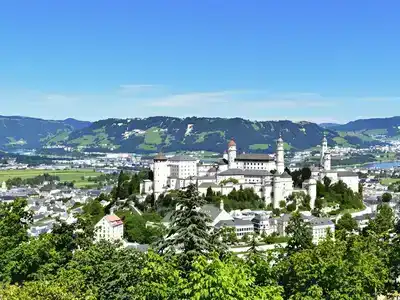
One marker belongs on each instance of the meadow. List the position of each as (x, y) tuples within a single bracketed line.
[(80, 176), (389, 181)]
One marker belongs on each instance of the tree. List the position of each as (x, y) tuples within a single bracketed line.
[(94, 209), (333, 269), (229, 180), (135, 229), (282, 204), (347, 223), (190, 228), (319, 203), (246, 238), (228, 279), (121, 190), (291, 207), (209, 194), (14, 222), (228, 235), (299, 232), (72, 288), (30, 259), (327, 183), (384, 221), (253, 250), (386, 197)]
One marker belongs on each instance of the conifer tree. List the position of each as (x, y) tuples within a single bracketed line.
[(299, 233), (190, 231)]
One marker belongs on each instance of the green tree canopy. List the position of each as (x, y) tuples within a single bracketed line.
[(299, 232)]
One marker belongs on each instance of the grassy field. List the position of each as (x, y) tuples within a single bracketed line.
[(389, 181), (65, 175)]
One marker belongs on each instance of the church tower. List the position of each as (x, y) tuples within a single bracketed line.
[(280, 156), (231, 154), (161, 174), (324, 149), (327, 161), (312, 192)]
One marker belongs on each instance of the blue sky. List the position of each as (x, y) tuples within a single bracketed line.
[(323, 61)]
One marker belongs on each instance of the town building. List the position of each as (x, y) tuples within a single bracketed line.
[(220, 219), (264, 173), (351, 179), (110, 228)]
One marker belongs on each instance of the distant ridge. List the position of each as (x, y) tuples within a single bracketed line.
[(329, 125), (150, 135)]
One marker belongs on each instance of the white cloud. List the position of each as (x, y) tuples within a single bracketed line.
[(190, 99), (137, 88), (142, 100)]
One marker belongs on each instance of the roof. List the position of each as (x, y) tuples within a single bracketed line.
[(320, 221), (114, 220), (260, 217), (208, 184), (347, 174), (211, 210), (232, 172), (241, 222), (254, 157), (231, 143), (206, 177), (182, 158), (286, 175), (160, 156), (365, 217), (213, 169), (233, 223), (225, 223), (222, 162)]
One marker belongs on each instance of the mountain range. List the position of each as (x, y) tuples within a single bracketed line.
[(169, 134)]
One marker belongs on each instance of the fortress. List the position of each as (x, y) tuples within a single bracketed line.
[(264, 173)]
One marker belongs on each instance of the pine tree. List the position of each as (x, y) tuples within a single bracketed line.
[(190, 230), (253, 250), (299, 233)]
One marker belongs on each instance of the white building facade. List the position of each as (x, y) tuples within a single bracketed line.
[(110, 228), (264, 173)]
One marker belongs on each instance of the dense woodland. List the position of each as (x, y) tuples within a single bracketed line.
[(65, 264)]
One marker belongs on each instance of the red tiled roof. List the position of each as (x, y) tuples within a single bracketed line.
[(112, 218), (231, 143)]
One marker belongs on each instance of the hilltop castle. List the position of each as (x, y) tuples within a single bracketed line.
[(263, 172)]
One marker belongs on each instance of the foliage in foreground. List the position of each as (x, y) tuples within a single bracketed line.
[(66, 264)]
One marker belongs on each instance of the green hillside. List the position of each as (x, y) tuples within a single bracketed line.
[(149, 135), (209, 134)]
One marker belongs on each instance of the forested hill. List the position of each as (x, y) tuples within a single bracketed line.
[(210, 134), (25, 132), (149, 135), (389, 127)]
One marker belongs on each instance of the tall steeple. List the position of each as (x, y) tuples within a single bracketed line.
[(280, 156), (231, 154), (324, 149)]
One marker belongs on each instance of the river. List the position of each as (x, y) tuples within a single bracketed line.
[(383, 165)]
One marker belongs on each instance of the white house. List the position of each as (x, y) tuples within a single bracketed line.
[(109, 228)]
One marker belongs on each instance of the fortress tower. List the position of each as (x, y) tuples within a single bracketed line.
[(161, 173), (232, 154), (324, 149), (280, 156)]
